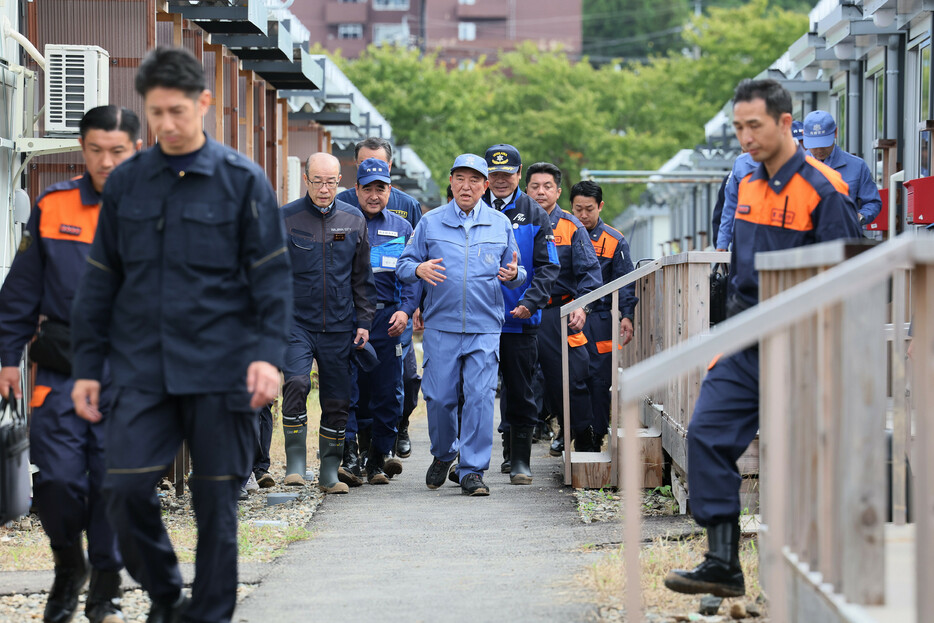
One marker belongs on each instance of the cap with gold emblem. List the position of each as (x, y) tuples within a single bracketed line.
[(503, 158)]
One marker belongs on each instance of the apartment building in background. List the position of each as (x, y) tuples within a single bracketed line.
[(458, 29)]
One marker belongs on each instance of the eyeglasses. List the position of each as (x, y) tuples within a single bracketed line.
[(316, 183)]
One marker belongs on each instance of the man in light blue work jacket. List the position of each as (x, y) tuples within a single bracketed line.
[(820, 134), (463, 251)]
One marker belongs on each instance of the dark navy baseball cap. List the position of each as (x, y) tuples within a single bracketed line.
[(797, 130), (471, 161), (503, 158), (819, 129), (365, 357), (373, 170)]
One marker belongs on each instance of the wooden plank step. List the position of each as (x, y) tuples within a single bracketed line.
[(590, 470), (653, 459)]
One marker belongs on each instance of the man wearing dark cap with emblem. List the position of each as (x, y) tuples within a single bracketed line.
[(518, 351)]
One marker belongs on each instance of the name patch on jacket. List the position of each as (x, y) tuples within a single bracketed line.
[(339, 236), (386, 232), (71, 230)]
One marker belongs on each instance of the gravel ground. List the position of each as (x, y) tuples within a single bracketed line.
[(273, 526)]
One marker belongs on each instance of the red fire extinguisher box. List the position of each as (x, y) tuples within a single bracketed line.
[(919, 200), (881, 223)]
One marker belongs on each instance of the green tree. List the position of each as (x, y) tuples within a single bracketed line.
[(617, 116), (632, 29)]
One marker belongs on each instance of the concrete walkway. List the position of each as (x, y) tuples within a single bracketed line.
[(404, 552)]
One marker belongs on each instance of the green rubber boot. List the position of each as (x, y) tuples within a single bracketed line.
[(331, 451), (295, 464)]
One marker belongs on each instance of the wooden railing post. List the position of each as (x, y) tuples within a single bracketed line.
[(923, 459), (861, 489)]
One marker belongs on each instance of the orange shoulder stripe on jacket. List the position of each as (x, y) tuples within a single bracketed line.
[(564, 231), (833, 176), (65, 218), (791, 209), (606, 245)]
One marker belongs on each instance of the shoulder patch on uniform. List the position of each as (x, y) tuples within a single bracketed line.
[(71, 230), (25, 242)]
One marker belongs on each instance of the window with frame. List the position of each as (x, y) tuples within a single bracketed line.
[(838, 108), (391, 5), (466, 31), (350, 31), (390, 34), (924, 83)]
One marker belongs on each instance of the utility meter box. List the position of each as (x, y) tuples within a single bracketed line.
[(77, 78), (881, 222), (919, 201)]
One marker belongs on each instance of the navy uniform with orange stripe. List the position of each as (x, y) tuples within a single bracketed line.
[(579, 274), (805, 202), (613, 254), (68, 450)]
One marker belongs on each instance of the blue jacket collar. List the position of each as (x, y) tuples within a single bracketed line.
[(204, 164), (89, 196), (778, 181), (449, 214)]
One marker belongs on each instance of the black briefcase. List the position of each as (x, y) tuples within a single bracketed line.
[(14, 461), (718, 280)]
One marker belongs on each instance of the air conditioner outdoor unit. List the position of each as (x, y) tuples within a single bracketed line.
[(77, 78)]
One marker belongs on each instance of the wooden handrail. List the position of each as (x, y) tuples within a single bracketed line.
[(774, 314)]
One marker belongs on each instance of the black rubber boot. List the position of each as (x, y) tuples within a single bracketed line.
[(363, 438), (350, 472), (720, 574), (521, 445), (598, 442), (168, 612), (104, 593), (374, 468), (584, 440), (71, 572), (403, 441), (331, 451), (505, 467), (295, 437)]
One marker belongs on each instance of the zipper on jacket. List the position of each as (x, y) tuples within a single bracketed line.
[(466, 260), (785, 213), (324, 277)]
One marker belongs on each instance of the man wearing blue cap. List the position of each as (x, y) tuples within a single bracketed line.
[(797, 132), (334, 293), (407, 207), (379, 388), (464, 314), (518, 350), (820, 133)]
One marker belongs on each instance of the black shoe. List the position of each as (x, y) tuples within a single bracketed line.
[(598, 442), (374, 469), (542, 432), (557, 445), (472, 484), (452, 474), (391, 465), (720, 574), (71, 572), (350, 472), (403, 448), (437, 472), (163, 612), (506, 465), (104, 593), (264, 479)]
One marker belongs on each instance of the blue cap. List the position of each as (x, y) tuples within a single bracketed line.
[(797, 130), (503, 158), (373, 170), (471, 161), (365, 357), (819, 129)]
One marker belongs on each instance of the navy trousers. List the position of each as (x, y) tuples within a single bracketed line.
[(599, 332), (549, 356), (69, 453), (379, 393), (518, 361), (332, 352), (145, 431), (725, 421)]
